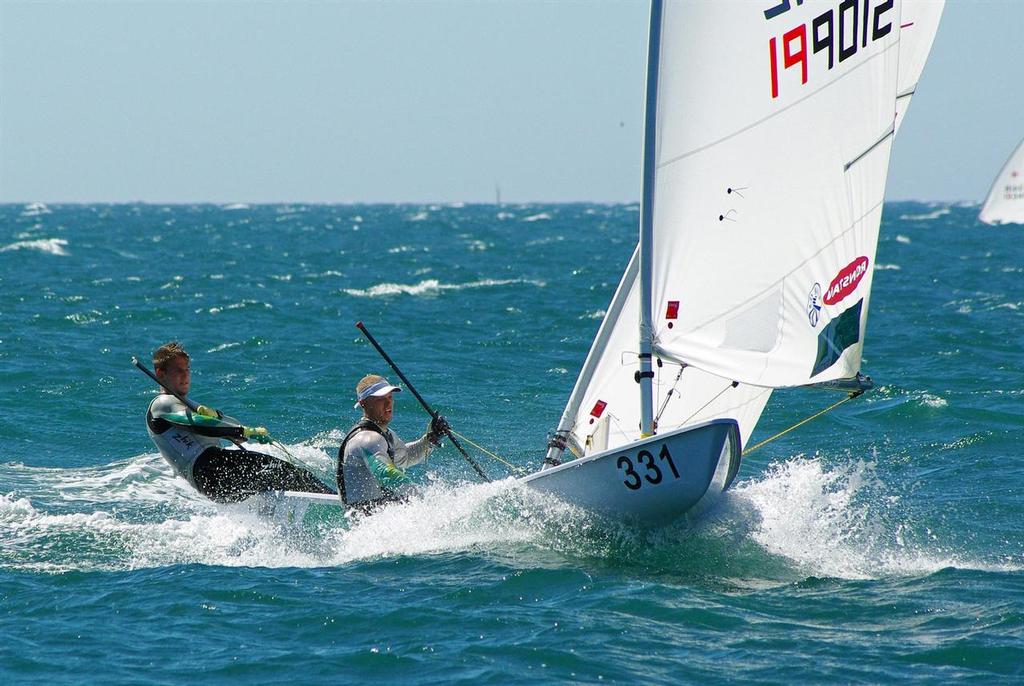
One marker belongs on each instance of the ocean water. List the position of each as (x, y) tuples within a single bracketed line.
[(879, 544)]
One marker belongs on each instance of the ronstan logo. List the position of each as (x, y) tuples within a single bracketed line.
[(846, 280)]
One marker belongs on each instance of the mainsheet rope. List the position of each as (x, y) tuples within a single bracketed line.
[(511, 467), (799, 424)]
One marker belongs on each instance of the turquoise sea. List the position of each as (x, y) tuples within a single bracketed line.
[(879, 544)]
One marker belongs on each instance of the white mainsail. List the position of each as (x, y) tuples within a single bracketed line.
[(1005, 201), (769, 188)]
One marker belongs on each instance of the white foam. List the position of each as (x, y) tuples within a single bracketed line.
[(839, 521), (941, 212), (542, 216), (824, 520), (34, 209), (433, 287), (53, 246), (136, 514)]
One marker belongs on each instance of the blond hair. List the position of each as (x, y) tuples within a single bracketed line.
[(368, 381), (163, 355)]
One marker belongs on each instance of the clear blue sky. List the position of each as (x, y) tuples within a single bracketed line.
[(408, 101)]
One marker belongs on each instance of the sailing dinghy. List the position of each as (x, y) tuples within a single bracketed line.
[(1005, 201), (768, 132)]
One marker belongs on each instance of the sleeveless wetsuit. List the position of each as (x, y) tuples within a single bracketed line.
[(191, 444), (371, 464)]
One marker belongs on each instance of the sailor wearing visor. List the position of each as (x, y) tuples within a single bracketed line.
[(372, 460)]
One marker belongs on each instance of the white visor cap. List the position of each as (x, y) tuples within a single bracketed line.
[(377, 390)]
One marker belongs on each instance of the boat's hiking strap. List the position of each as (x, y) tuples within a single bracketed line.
[(768, 440), (512, 468)]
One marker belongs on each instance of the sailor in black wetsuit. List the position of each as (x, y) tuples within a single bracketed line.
[(191, 442)]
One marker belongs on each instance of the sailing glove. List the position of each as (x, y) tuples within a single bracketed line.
[(258, 434), (209, 412), (438, 428)]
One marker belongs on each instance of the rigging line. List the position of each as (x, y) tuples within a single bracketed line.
[(668, 396), (732, 384), (799, 424), (294, 460), (485, 451)]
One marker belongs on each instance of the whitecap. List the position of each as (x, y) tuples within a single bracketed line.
[(941, 212), (34, 209), (223, 346), (52, 246), (902, 239), (235, 206), (542, 216), (838, 521), (432, 287), (887, 267)]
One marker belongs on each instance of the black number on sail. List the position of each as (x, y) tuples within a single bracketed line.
[(666, 456), (633, 479), (647, 460)]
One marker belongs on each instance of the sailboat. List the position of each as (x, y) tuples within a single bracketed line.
[(768, 132), (1005, 201)]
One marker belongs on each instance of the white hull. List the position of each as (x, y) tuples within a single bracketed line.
[(291, 507), (653, 481)]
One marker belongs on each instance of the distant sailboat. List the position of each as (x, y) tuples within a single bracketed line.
[(1005, 201), (766, 150)]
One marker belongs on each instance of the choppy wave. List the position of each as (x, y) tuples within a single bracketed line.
[(825, 521), (431, 287), (940, 212), (840, 521), (53, 246), (35, 209)]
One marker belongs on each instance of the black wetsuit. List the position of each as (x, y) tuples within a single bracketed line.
[(192, 445)]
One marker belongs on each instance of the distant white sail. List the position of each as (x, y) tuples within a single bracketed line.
[(1005, 201)]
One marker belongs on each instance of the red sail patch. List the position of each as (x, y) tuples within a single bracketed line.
[(598, 408), (672, 311), (846, 280)]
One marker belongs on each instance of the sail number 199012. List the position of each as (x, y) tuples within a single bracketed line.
[(646, 462)]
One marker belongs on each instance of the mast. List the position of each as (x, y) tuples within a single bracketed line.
[(650, 163)]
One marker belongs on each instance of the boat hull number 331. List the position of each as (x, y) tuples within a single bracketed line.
[(647, 469)]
